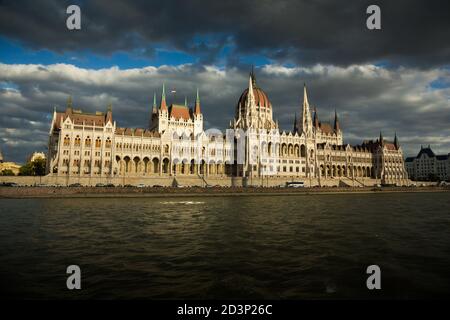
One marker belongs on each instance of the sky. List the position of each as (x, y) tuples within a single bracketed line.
[(393, 80)]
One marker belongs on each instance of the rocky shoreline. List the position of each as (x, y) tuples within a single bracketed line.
[(123, 192)]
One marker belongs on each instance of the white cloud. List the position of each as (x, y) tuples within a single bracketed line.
[(369, 98)]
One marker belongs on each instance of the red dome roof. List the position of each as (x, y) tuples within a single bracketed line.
[(261, 98)]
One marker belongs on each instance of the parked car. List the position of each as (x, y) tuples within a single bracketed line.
[(141, 185), (10, 184), (100, 185), (75, 185)]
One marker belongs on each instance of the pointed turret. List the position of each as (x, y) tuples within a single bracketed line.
[(381, 140), (252, 76), (163, 105), (316, 119), (197, 110), (69, 108), (396, 144), (185, 101), (337, 126), (154, 115), (251, 95), (155, 106), (305, 95), (306, 124), (69, 102), (295, 123), (109, 113)]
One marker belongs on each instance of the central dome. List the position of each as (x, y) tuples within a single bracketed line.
[(253, 109), (261, 98)]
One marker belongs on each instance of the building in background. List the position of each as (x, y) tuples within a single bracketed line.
[(176, 144), (8, 167), (36, 155), (428, 166)]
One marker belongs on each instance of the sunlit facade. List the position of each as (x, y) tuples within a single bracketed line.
[(176, 144)]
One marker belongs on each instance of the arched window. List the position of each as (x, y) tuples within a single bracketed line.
[(98, 142), (303, 151), (87, 142), (66, 140)]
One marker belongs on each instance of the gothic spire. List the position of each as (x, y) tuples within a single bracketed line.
[(251, 96), (197, 110), (306, 124), (396, 143), (337, 126), (155, 107), (305, 95), (109, 112), (252, 76), (316, 119), (381, 139), (163, 105), (295, 123), (69, 102)]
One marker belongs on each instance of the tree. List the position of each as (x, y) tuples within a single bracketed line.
[(34, 168), (26, 169), (7, 172), (39, 167)]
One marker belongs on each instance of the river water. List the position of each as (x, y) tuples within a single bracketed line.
[(274, 247)]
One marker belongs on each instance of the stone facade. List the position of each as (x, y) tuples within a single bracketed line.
[(91, 146)]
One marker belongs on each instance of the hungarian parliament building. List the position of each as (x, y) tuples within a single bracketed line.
[(253, 150)]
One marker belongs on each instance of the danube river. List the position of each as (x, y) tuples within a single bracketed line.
[(275, 247)]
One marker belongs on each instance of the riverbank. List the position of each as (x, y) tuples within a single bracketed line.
[(131, 192)]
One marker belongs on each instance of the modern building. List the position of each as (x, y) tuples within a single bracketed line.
[(428, 166), (176, 144)]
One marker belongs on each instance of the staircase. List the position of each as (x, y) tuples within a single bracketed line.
[(204, 182), (349, 182)]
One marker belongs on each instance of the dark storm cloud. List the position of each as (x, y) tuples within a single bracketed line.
[(369, 99), (414, 32)]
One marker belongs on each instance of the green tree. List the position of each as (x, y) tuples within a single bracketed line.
[(7, 172), (26, 169), (34, 168), (38, 167)]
